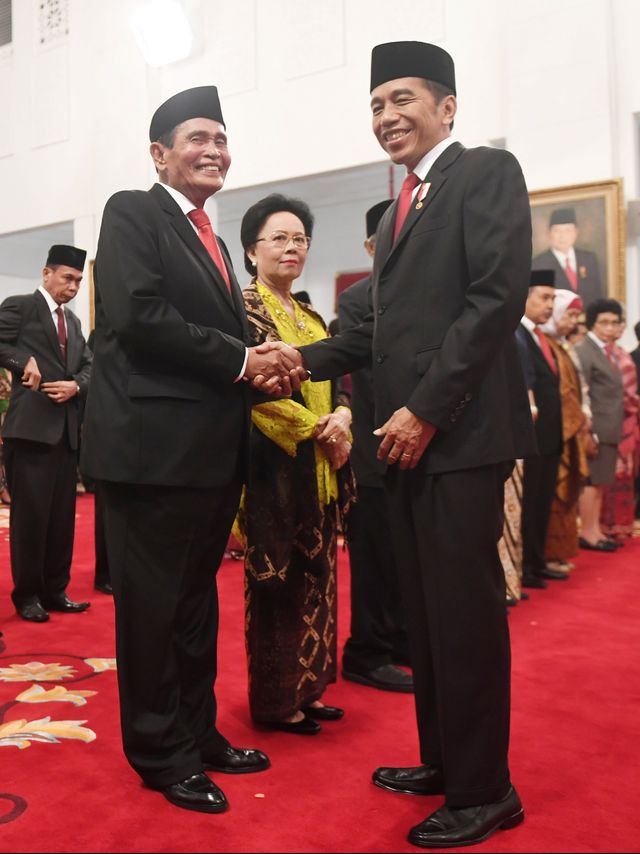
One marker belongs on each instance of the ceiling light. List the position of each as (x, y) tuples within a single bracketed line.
[(162, 31)]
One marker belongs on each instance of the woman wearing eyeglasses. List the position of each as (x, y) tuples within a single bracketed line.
[(299, 488)]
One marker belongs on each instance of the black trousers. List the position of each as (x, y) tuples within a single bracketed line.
[(538, 487), (102, 574), (164, 548), (378, 634), (42, 484), (446, 529)]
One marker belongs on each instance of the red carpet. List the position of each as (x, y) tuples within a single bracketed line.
[(575, 733)]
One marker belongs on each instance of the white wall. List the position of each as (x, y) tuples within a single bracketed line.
[(558, 78)]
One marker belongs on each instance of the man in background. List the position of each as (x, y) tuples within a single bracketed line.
[(575, 269), (41, 343), (540, 470), (378, 640)]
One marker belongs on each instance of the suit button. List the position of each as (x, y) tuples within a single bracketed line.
[(453, 417), (380, 358), (382, 309), (468, 396)]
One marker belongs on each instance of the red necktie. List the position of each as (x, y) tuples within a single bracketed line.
[(611, 356), (62, 332), (546, 349), (404, 202), (205, 232), (571, 275)]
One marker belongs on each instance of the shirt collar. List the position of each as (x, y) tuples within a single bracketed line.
[(528, 324), (561, 257), (596, 340), (185, 204), (53, 305), (423, 167)]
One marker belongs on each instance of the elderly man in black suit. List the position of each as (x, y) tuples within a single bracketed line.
[(378, 639), (449, 285), (166, 434), (540, 470), (41, 342), (575, 269)]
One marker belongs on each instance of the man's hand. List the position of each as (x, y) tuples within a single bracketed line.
[(275, 368), (60, 391), (31, 376), (406, 438)]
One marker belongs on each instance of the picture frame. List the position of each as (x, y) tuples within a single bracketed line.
[(597, 237)]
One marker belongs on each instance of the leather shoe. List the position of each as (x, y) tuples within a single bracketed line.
[(34, 612), (64, 604), (534, 581), (418, 780), (324, 713), (302, 727), (237, 760), (104, 588), (600, 546), (196, 793), (449, 827), (554, 574), (387, 677)]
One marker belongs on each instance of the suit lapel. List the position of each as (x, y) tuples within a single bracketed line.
[(46, 320), (436, 179), (604, 360), (186, 232)]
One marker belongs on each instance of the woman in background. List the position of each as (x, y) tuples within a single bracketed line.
[(299, 486)]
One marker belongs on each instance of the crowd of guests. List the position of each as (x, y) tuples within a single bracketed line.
[(580, 491)]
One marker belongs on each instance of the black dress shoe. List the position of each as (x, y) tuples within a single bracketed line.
[(523, 596), (104, 588), (387, 677), (196, 793), (449, 827), (418, 780), (600, 546), (64, 604), (237, 760), (302, 727), (617, 544), (534, 581), (34, 612), (554, 574), (324, 713)]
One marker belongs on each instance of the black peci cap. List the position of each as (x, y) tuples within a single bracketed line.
[(199, 102), (69, 256), (374, 215), (393, 60), (542, 278), (561, 216)]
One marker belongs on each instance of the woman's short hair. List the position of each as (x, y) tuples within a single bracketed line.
[(601, 306), (258, 214)]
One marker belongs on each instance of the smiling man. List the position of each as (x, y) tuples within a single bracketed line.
[(166, 435), (449, 285), (41, 343)]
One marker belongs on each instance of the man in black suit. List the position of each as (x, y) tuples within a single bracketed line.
[(166, 431), (575, 269), (378, 639), (41, 343), (449, 285), (540, 470)]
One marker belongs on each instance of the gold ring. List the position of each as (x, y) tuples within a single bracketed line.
[(332, 439), (406, 455)]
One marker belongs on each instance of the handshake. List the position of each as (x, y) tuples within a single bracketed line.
[(275, 368)]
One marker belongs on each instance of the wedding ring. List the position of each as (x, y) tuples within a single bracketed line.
[(332, 439), (406, 455)]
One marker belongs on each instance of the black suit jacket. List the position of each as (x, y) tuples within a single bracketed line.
[(546, 389), (447, 298), (354, 305), (589, 282), (163, 407), (26, 329)]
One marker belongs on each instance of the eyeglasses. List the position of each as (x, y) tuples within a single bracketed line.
[(280, 239), (607, 322)]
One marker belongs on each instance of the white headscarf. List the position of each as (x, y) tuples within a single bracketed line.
[(563, 302)]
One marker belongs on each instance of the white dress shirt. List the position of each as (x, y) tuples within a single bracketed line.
[(423, 167), (561, 258), (53, 307)]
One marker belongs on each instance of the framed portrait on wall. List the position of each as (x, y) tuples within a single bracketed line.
[(578, 231), (92, 297)]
